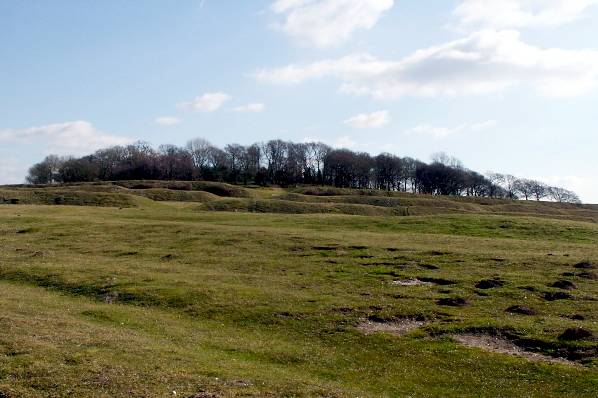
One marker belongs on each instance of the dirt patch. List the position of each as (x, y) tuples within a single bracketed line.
[(239, 383), (325, 248), (437, 253), (489, 283), (500, 345), (452, 302), (521, 310), (564, 284), (397, 327), (127, 254), (358, 247), (438, 281), (204, 394), (574, 334), (365, 256), (429, 266), (111, 297), (585, 265), (411, 282), (553, 296), (588, 275)]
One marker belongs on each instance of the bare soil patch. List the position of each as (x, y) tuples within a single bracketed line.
[(588, 275), (573, 334), (396, 327), (411, 282), (325, 248), (452, 302), (564, 284), (438, 281), (204, 394), (489, 283), (553, 296), (585, 265), (500, 345), (521, 310)]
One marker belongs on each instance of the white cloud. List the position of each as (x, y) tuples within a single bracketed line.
[(250, 108), (342, 142), (208, 102), (484, 62), (520, 13), (345, 142), (369, 120), (325, 23), (443, 132), (69, 138), (167, 120), (585, 187), (12, 171)]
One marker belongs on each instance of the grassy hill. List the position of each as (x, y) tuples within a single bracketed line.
[(209, 290)]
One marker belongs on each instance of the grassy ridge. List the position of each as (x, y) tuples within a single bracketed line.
[(311, 200), (146, 300)]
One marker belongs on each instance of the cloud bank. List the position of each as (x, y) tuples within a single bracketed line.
[(325, 23), (484, 62)]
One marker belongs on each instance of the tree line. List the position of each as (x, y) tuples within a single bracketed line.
[(284, 163)]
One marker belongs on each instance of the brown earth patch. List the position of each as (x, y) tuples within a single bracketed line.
[(411, 282), (585, 265), (500, 345), (579, 333), (588, 275), (521, 310), (429, 266), (396, 327), (489, 283), (553, 296), (452, 302)]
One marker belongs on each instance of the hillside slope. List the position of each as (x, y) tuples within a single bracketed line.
[(309, 200)]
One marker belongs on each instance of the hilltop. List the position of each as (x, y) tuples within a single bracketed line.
[(215, 196)]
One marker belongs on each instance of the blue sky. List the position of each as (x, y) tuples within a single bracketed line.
[(508, 86)]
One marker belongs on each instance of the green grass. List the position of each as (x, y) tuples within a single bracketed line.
[(163, 297)]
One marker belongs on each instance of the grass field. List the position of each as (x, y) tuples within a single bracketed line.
[(145, 290)]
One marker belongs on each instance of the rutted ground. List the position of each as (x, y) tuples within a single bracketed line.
[(149, 300)]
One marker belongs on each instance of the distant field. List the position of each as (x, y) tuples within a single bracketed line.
[(154, 289)]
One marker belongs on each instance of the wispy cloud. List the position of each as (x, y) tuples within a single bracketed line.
[(250, 108), (369, 120), (443, 132), (69, 138), (167, 120), (340, 142), (12, 171), (208, 102), (520, 13), (325, 23)]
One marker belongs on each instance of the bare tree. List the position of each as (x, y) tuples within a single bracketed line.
[(447, 160), (200, 152), (562, 195), (47, 171)]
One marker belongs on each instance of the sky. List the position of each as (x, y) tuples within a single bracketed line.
[(509, 86)]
